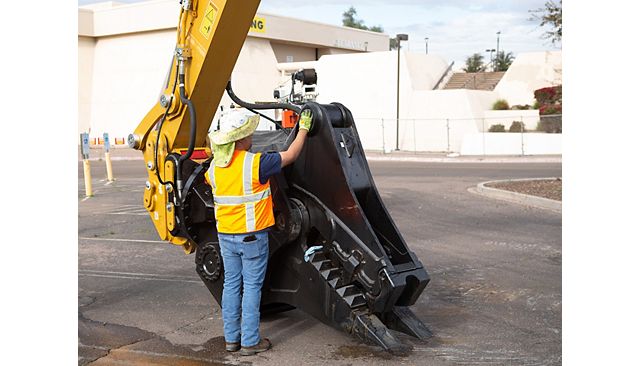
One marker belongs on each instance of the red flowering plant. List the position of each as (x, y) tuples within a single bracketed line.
[(550, 109), (550, 101)]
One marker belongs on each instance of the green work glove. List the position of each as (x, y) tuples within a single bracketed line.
[(305, 120)]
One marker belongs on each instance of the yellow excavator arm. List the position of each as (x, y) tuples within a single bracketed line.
[(210, 35)]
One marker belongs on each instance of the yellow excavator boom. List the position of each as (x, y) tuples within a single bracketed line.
[(210, 35)]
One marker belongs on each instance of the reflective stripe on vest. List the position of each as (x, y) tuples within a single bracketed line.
[(240, 200), (237, 207)]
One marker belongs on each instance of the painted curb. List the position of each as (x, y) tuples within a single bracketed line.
[(516, 197)]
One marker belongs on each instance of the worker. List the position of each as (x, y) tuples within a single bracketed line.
[(244, 214)]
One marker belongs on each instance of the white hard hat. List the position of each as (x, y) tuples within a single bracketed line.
[(235, 125)]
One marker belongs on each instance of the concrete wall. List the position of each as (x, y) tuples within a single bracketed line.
[(529, 72), (129, 74), (293, 53), (86, 46), (502, 143), (366, 84)]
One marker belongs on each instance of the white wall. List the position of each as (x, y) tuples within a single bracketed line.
[(462, 108), (504, 143), (254, 77), (529, 72), (129, 74), (366, 83), (85, 76)]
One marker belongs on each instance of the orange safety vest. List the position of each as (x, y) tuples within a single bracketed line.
[(241, 203)]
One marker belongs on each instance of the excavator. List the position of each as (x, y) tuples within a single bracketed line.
[(334, 252)]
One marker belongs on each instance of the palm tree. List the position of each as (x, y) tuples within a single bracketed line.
[(474, 63), (503, 61)]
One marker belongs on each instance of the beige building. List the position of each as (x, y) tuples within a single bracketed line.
[(124, 52)]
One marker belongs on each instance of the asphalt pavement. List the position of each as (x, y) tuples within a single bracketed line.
[(494, 298)]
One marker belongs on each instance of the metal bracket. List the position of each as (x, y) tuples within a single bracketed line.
[(183, 53)]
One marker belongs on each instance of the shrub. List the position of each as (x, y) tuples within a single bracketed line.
[(500, 105), (521, 107), (536, 105), (550, 109), (517, 126), (497, 128)]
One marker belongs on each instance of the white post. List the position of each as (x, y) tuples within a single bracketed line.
[(522, 135), (383, 148), (448, 141), (415, 149)]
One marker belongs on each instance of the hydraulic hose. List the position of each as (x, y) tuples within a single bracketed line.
[(164, 116), (248, 105), (192, 134), (192, 120)]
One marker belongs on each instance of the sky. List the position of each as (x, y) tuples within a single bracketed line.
[(456, 29)]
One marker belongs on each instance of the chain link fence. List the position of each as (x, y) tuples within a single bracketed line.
[(497, 133)]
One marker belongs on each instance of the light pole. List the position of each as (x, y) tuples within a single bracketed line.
[(426, 45), (495, 67), (399, 37), (491, 51)]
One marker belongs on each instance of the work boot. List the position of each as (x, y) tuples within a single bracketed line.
[(232, 346), (262, 346)]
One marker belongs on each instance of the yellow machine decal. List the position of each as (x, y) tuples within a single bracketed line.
[(258, 25), (207, 22)]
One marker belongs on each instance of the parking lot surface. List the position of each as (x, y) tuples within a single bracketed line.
[(494, 297)]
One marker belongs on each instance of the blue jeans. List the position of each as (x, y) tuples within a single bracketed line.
[(245, 265)]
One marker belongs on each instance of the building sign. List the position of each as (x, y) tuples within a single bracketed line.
[(258, 25), (350, 44)]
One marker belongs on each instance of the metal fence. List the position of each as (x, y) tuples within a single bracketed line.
[(451, 135)]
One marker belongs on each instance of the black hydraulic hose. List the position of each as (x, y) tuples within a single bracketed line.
[(248, 105), (164, 116), (192, 135), (192, 118), (277, 123)]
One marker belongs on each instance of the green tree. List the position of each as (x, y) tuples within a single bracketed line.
[(349, 20), (503, 61), (551, 15), (474, 63)]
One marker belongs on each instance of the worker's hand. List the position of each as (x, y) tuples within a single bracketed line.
[(305, 120)]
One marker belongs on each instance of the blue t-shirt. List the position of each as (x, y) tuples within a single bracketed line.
[(270, 164)]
